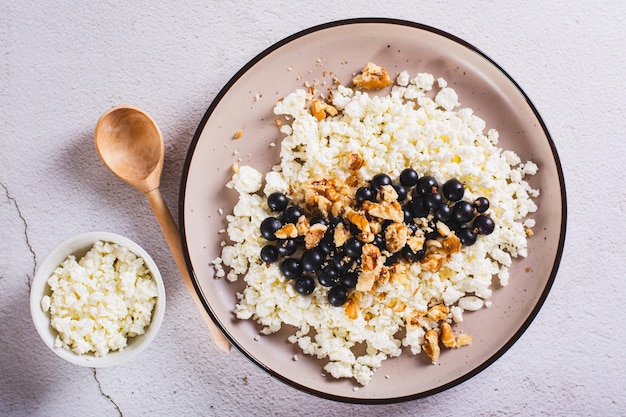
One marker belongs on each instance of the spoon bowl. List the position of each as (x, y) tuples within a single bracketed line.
[(130, 144)]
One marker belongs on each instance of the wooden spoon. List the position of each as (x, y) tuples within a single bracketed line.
[(130, 144)]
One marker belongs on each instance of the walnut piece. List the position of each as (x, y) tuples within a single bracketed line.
[(302, 225), (287, 231), (463, 339), (431, 345), (386, 210), (352, 310), (432, 262), (319, 109), (447, 336), (355, 161), (396, 236), (439, 312), (314, 235), (372, 77), (371, 265), (358, 220), (341, 235), (388, 193)]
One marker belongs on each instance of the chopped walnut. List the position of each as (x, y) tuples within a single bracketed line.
[(337, 208), (320, 109), (447, 336), (416, 240), (383, 276), (327, 194), (399, 272), (358, 220), (352, 310), (287, 231), (314, 235), (355, 161), (371, 265), (434, 245), (432, 262), (443, 229), (396, 236), (463, 339), (341, 235), (451, 243), (366, 237), (438, 312), (431, 345), (388, 193), (372, 77), (387, 210), (302, 226), (398, 306), (322, 203)]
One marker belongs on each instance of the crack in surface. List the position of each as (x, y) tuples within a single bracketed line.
[(12, 199), (95, 376)]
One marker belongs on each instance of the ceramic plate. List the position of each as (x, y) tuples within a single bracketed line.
[(343, 48)]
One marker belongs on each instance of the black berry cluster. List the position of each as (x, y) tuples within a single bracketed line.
[(338, 267)]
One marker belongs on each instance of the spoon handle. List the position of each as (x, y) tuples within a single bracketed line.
[(172, 236)]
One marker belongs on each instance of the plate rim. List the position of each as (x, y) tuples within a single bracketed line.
[(390, 21)]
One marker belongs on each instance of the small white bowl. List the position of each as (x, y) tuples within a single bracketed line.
[(78, 246)]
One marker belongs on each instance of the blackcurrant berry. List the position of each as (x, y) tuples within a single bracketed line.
[(349, 279), (418, 207), (277, 201), (312, 259), (338, 295), (327, 276), (269, 254), (481, 204), (269, 226), (318, 220), (379, 180), (408, 177), (353, 247), (453, 190), (484, 225), (433, 200), (291, 268), (462, 212), (305, 285), (426, 185), (287, 247), (327, 243), (292, 214), (466, 236), (342, 262), (443, 213), (364, 194), (401, 191)]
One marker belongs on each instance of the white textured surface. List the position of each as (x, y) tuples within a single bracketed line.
[(63, 63)]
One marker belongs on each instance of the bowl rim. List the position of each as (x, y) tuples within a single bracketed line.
[(78, 245)]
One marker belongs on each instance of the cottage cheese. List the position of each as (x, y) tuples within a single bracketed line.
[(406, 128), (100, 301)]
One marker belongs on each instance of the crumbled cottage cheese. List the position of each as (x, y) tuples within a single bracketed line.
[(100, 301), (404, 129)]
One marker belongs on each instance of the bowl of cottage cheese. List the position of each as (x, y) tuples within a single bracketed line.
[(97, 299), (372, 211)]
